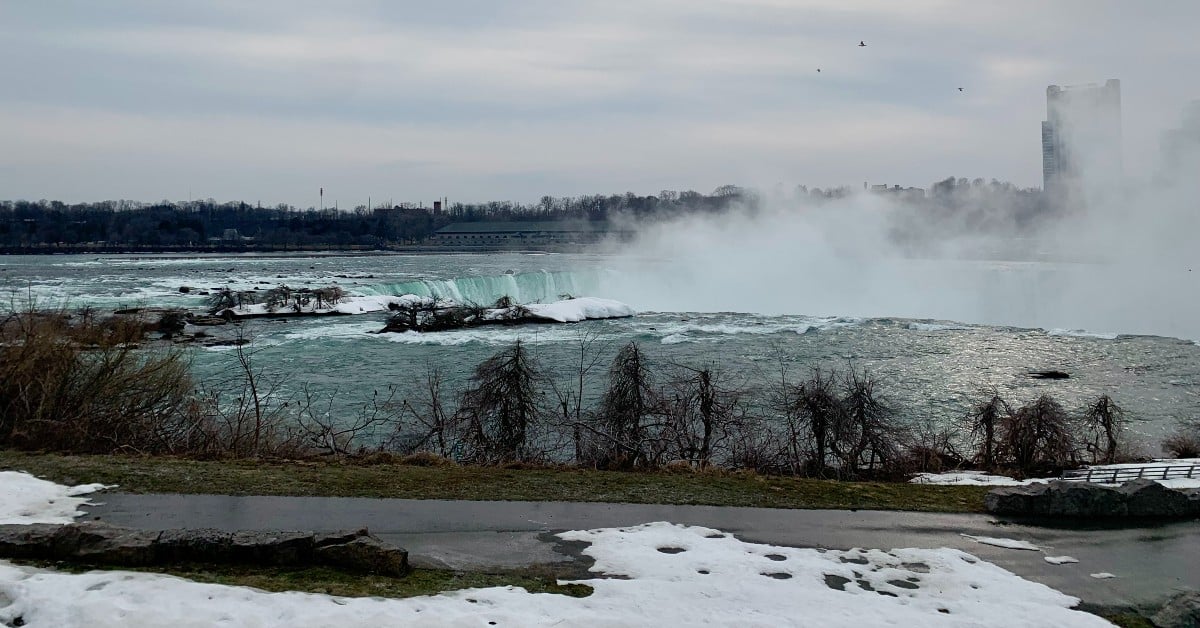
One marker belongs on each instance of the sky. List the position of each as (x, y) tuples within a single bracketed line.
[(480, 100)]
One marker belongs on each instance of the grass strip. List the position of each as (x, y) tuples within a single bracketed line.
[(340, 583), (136, 474)]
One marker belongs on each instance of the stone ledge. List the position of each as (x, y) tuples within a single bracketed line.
[(102, 543), (1138, 498)]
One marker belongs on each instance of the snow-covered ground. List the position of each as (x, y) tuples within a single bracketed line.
[(666, 575), (979, 478)]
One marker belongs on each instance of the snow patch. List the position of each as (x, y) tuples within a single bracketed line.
[(1005, 543), (1081, 333), (25, 499), (1103, 575), (970, 478), (1060, 560)]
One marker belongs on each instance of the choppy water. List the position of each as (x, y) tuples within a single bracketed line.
[(932, 369)]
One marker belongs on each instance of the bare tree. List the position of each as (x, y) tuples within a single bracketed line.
[(701, 414), (1105, 422), (629, 403), (569, 396), (867, 436), (503, 406), (434, 428), (982, 422)]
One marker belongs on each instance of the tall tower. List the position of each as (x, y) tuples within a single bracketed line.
[(1081, 136)]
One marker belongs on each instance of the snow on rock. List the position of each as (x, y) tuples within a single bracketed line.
[(580, 309), (1005, 543), (25, 499), (1060, 560), (668, 575)]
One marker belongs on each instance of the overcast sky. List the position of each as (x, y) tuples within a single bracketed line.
[(484, 99)]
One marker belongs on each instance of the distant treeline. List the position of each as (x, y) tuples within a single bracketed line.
[(208, 224)]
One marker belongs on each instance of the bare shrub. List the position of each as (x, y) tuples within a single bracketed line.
[(1037, 437), (1184, 443), (85, 387), (930, 449), (322, 430)]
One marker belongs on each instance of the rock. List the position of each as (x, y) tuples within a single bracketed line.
[(96, 542), (1147, 498), (102, 543), (273, 548), (185, 289), (1139, 498), (1080, 499), (365, 554), (36, 540), (1183, 611), (1049, 375)]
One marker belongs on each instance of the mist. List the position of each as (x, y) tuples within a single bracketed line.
[(1117, 258)]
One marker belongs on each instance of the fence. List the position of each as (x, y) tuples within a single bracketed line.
[(1109, 475)]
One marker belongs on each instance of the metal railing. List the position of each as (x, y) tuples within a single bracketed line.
[(1147, 472)]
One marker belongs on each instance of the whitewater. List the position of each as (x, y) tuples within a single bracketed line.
[(932, 355)]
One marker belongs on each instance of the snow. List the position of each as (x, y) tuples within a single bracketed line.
[(1060, 560), (1081, 333), (1103, 575), (579, 309), (25, 499), (968, 478), (1005, 543), (666, 574)]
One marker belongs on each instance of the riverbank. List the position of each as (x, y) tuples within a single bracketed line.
[(137, 474)]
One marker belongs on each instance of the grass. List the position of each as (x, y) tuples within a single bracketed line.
[(343, 584), (137, 474)]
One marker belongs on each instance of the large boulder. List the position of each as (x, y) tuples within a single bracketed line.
[(1081, 499), (1068, 499), (1183, 611), (1147, 498)]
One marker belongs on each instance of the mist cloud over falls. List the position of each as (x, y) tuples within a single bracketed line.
[(1127, 263)]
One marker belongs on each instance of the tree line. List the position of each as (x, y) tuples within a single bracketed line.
[(208, 224)]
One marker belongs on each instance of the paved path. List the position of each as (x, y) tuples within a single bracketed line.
[(1151, 563)]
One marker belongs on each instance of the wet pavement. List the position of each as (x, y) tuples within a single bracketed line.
[(1151, 562)]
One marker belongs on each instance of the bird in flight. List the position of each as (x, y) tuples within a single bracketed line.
[(818, 70), (960, 89), (862, 44)]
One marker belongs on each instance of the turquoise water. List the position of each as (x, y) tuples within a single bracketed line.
[(932, 369)]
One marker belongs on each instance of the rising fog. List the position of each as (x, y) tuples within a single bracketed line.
[(1117, 257)]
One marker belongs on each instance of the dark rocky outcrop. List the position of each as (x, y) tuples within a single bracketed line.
[(1138, 498), (1183, 611), (100, 543)]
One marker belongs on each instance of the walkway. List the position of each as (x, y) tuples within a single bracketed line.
[(1151, 563)]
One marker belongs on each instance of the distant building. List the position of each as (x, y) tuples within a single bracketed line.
[(1081, 136), (525, 233), (897, 191), (1181, 146)]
